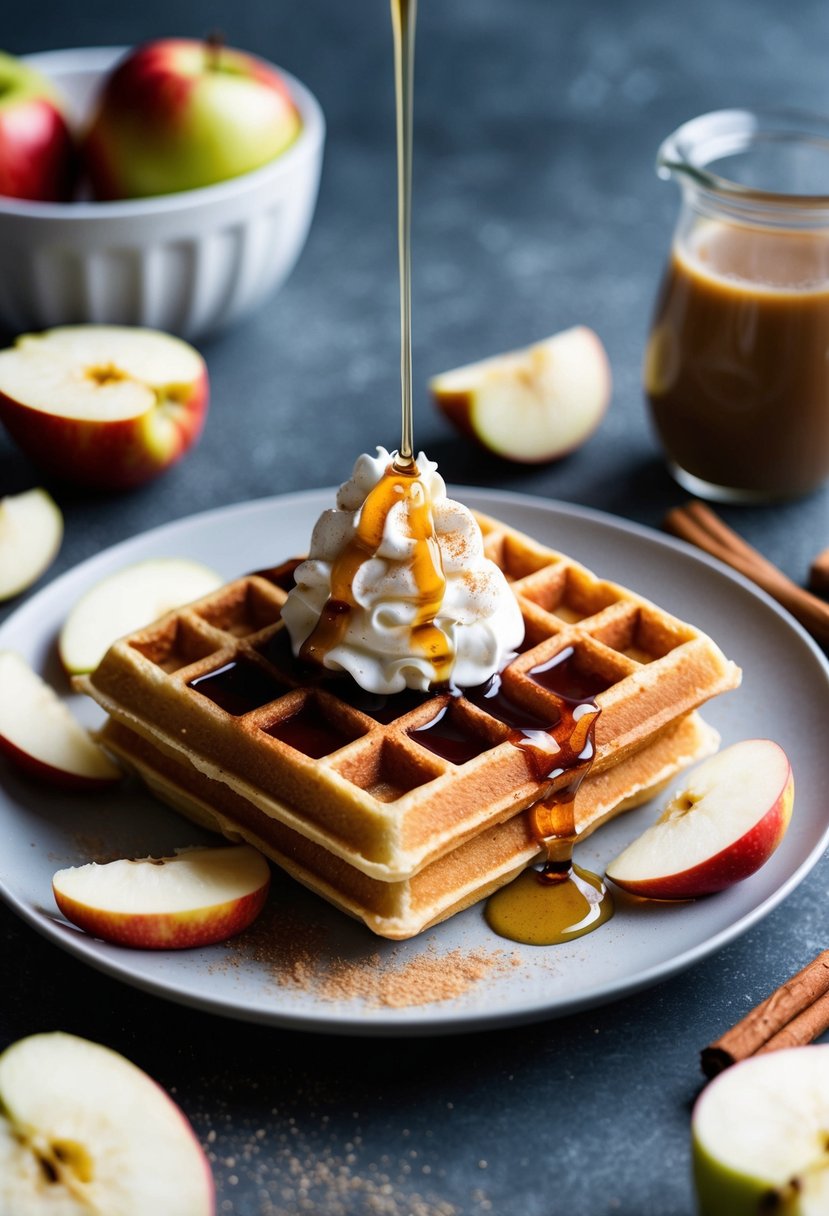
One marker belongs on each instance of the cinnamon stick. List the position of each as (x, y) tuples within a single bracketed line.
[(700, 526), (795, 1014), (819, 573)]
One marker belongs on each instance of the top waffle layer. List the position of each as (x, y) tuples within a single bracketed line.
[(390, 783)]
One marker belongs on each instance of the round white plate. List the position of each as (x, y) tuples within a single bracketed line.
[(784, 695)]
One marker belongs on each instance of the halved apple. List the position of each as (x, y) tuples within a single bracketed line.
[(83, 1131), (31, 531), (194, 898), (761, 1136), (40, 735), (531, 405), (128, 600), (105, 406), (724, 824)]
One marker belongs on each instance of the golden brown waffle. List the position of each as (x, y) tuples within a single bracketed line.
[(460, 878), (214, 685)]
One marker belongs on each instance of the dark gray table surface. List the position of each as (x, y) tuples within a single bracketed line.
[(536, 207)]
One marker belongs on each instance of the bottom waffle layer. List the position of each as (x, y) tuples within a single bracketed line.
[(404, 908)]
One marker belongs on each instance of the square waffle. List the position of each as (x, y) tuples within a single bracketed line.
[(466, 874), (214, 686)]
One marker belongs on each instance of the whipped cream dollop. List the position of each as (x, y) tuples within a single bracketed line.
[(378, 634)]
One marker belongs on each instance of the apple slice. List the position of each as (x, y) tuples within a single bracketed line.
[(194, 898), (128, 600), (40, 735), (83, 1131), (531, 405), (760, 1136), (723, 825), (31, 531), (105, 406)]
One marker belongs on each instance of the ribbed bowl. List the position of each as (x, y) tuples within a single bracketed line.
[(189, 263)]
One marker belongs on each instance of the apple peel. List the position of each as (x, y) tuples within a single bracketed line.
[(196, 897)]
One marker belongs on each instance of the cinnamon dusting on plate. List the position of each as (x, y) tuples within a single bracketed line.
[(296, 954)]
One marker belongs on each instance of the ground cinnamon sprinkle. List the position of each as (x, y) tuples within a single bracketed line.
[(294, 953), (418, 981)]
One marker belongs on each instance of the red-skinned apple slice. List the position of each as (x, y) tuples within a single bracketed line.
[(31, 531), (39, 734), (194, 898), (83, 1131), (128, 600), (724, 824), (105, 406), (531, 405)]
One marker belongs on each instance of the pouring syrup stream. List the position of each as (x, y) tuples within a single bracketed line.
[(403, 17)]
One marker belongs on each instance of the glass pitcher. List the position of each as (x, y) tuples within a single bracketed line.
[(736, 369)]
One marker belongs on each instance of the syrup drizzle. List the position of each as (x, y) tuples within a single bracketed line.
[(560, 901), (397, 486), (403, 17)]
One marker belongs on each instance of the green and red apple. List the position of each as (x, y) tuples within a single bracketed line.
[(105, 406), (37, 151), (726, 821), (31, 531), (125, 601), (39, 734), (178, 114), (760, 1136), (193, 898), (83, 1131), (531, 405)]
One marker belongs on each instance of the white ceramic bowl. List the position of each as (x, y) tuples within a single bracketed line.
[(189, 263)]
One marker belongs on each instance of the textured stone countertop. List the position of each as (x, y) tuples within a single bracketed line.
[(536, 206)]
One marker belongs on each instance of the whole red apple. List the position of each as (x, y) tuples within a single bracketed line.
[(179, 114), (104, 406), (37, 152)]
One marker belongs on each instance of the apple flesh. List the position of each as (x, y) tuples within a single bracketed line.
[(178, 114), (105, 406), (128, 600), (83, 1131), (760, 1134), (39, 734), (722, 826), (31, 531), (37, 151), (194, 898), (531, 405)]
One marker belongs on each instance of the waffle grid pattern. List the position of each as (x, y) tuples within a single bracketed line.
[(214, 682)]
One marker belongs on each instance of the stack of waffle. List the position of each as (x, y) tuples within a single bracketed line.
[(406, 809)]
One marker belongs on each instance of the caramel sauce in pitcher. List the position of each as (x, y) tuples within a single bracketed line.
[(736, 372)]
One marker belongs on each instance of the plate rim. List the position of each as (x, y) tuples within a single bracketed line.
[(446, 1017)]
